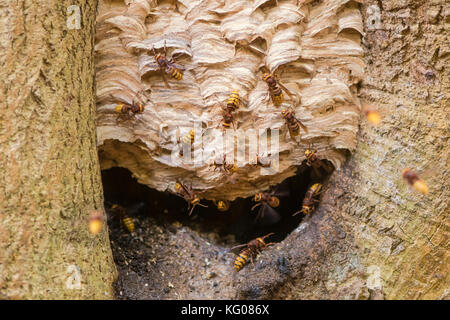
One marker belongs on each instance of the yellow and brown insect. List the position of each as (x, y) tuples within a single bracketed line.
[(187, 140), (129, 109), (233, 102), (122, 213), (275, 88), (189, 195), (312, 160), (267, 201), (311, 199), (168, 66), (222, 205), (227, 167), (413, 180), (254, 247), (292, 122)]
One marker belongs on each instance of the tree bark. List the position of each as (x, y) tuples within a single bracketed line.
[(50, 177)]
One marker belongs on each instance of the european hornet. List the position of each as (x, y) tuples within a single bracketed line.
[(413, 180), (312, 160), (122, 213), (254, 247), (292, 122), (168, 66), (275, 88), (311, 198), (227, 167), (129, 109), (187, 140), (95, 222), (189, 195), (233, 102), (222, 205), (267, 201)]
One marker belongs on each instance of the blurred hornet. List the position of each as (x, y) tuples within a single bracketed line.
[(292, 123), (232, 105), (168, 66), (95, 222), (252, 249), (311, 198), (122, 213), (413, 180), (222, 205), (188, 194), (275, 87), (227, 167), (267, 201), (372, 115), (312, 160)]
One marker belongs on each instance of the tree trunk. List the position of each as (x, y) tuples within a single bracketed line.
[(50, 178)]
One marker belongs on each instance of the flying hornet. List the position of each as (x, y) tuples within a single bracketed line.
[(413, 180), (267, 201)]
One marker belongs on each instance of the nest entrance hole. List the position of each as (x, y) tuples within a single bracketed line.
[(153, 250), (239, 221)]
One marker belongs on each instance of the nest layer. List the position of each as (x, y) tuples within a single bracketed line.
[(312, 46)]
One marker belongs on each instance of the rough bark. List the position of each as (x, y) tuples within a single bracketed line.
[(49, 172)]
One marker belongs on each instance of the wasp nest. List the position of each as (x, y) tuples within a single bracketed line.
[(312, 46)]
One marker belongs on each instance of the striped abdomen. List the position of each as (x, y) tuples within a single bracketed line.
[(189, 138), (129, 224), (241, 260), (174, 73), (274, 89), (294, 127), (120, 108), (233, 100), (277, 96)]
